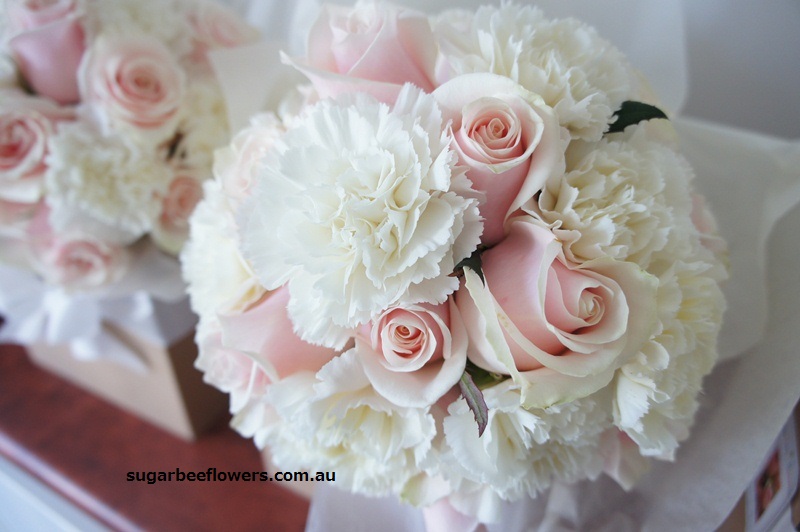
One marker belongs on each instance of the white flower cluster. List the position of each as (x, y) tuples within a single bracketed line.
[(523, 449), (118, 136), (619, 199), (162, 20), (112, 180), (442, 274), (225, 283)]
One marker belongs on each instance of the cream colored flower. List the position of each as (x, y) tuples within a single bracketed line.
[(656, 394), (219, 279), (237, 165), (105, 177), (623, 198), (162, 20), (203, 125), (522, 451), (337, 422)]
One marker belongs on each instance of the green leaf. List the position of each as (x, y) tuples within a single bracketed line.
[(473, 262), (475, 401), (631, 113), (481, 377)]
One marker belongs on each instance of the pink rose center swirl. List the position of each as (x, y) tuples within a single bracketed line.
[(573, 302), (406, 341), (17, 142), (77, 267), (491, 132), (78, 260), (140, 83)]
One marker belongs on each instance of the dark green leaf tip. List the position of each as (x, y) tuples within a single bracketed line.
[(473, 262), (631, 113)]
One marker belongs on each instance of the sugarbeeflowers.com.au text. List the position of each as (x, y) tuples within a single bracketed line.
[(213, 475)]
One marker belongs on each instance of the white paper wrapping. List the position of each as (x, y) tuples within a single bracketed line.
[(751, 182)]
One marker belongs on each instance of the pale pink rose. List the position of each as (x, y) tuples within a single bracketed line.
[(265, 333), (172, 228), (215, 26), (133, 82), (183, 195), (83, 264), (557, 319), (238, 164), (372, 47), (508, 138), (73, 261), (229, 370), (414, 355), (29, 14), (48, 44), (26, 125)]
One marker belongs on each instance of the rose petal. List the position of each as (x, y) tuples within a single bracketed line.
[(49, 56), (265, 333)]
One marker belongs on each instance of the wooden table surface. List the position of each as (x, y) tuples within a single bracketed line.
[(83, 448)]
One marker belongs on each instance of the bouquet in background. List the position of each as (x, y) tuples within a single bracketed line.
[(463, 262), (109, 114)]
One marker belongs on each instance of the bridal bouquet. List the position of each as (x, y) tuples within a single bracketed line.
[(109, 114), (462, 263)]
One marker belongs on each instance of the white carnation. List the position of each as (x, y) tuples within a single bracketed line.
[(623, 198), (219, 279), (360, 206), (295, 103), (105, 177), (337, 422), (656, 394), (203, 124), (161, 20), (522, 451), (579, 74)]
